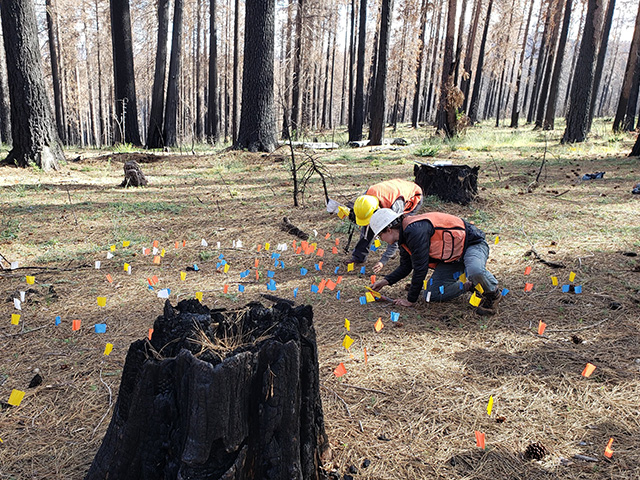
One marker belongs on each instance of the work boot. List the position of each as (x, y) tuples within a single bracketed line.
[(489, 303)]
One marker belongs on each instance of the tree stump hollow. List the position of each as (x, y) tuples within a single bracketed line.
[(451, 183), (219, 395)]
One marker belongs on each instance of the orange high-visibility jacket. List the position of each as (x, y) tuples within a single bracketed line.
[(447, 242), (389, 191)]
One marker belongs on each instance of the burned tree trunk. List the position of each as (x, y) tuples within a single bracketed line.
[(451, 183), (219, 395)]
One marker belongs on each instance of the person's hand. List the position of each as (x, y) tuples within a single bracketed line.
[(379, 284), (403, 302), (377, 267)]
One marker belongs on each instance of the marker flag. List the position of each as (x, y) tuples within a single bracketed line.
[(15, 265), (75, 325), (58, 320), (362, 270), (441, 289), (314, 289), (164, 293), (337, 242), (155, 244), (395, 316), (15, 398), (554, 281), (162, 252), (183, 276), (303, 271), (565, 288), (340, 370), (327, 236), (156, 259), (102, 301), (17, 304), (480, 439), (339, 279), (15, 318), (203, 243), (225, 289), (320, 265), (338, 295), (113, 248), (363, 300), (350, 267), (241, 288), (270, 273), (572, 276), (109, 255), (256, 262), (30, 279), (428, 297), (578, 289), (295, 292), (462, 278), (373, 279), (607, 450), (541, 327), (100, 328), (199, 296), (226, 268), (588, 370), (369, 296), (347, 342), (474, 300), (528, 287), (334, 250), (331, 284), (495, 242), (126, 243), (97, 264), (480, 289), (366, 357), (320, 252), (490, 405), (376, 243), (321, 286), (527, 270), (22, 296), (347, 325), (107, 349), (150, 333), (504, 292), (267, 246), (378, 325)]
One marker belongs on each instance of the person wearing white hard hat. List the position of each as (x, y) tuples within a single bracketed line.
[(447, 244), (400, 196)]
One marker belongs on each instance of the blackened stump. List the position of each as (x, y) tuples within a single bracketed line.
[(451, 183), (133, 176), (219, 395)]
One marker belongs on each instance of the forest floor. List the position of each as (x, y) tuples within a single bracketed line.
[(425, 387)]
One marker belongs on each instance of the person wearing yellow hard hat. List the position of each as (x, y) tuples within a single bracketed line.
[(399, 195)]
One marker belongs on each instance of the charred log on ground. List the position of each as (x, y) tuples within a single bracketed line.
[(451, 183), (219, 395)]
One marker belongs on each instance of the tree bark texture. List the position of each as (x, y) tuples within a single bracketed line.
[(602, 53), (629, 73), (173, 82), (475, 97), (296, 96), (219, 395), (578, 115), (515, 110), (355, 129), (419, 61), (213, 133), (447, 109), (378, 101), (5, 108), (155, 138), (257, 119), (465, 83), (55, 71), (451, 183), (556, 12), (126, 108), (35, 141)]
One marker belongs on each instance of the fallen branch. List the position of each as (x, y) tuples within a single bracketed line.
[(110, 402), (542, 260), (24, 332), (339, 398), (289, 227), (364, 388)]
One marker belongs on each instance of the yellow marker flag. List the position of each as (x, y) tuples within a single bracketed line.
[(462, 278), (490, 405), (572, 276), (30, 280), (113, 248), (554, 281), (347, 324), (342, 212), (496, 240), (267, 246), (162, 252), (15, 398), (480, 289), (199, 296), (108, 348), (370, 298), (126, 267), (102, 301), (226, 267), (126, 243), (347, 342), (350, 267), (183, 276), (474, 300), (15, 318), (377, 243), (424, 284)]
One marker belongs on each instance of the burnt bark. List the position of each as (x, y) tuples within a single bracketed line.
[(213, 130), (629, 74), (55, 71), (419, 62), (257, 119), (5, 108), (515, 110), (602, 53), (378, 99), (465, 83), (446, 115), (451, 183), (475, 98), (173, 82), (35, 140), (297, 72), (548, 70), (355, 129), (154, 136), (219, 395)]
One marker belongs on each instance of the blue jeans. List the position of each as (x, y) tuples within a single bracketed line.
[(473, 264)]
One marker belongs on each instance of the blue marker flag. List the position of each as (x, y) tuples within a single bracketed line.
[(338, 295), (195, 267), (363, 300), (221, 256), (282, 264), (565, 288), (395, 316), (431, 281), (241, 288), (270, 273), (578, 289), (336, 270), (456, 275), (58, 320), (303, 271), (362, 270), (314, 289), (505, 291), (295, 292), (441, 288), (317, 267), (100, 328)]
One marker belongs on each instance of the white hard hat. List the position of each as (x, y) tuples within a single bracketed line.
[(381, 219)]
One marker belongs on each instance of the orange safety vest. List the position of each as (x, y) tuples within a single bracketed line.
[(447, 242), (389, 191)]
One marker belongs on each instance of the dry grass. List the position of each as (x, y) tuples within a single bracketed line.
[(425, 387)]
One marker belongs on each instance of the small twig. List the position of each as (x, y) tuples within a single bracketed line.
[(584, 458), (364, 388), (495, 165), (110, 402), (542, 260), (339, 398), (24, 332), (560, 194), (544, 158), (73, 210)]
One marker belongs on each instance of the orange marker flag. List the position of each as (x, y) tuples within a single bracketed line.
[(528, 287), (155, 279), (334, 250), (177, 245), (366, 357), (588, 370), (150, 333), (294, 245), (156, 259), (298, 250), (109, 278), (155, 244), (184, 242), (321, 286), (257, 275), (541, 327), (480, 439), (320, 265), (340, 370), (304, 244), (379, 325), (373, 279), (75, 325), (337, 242), (339, 279), (527, 270), (320, 252), (331, 284), (326, 237), (259, 247), (607, 450), (225, 289), (256, 262)]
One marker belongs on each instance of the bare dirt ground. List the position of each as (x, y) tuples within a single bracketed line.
[(412, 409)]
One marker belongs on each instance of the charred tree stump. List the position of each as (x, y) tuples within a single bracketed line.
[(451, 183), (133, 176), (219, 395)]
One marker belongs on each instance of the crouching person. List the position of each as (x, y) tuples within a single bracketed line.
[(447, 244)]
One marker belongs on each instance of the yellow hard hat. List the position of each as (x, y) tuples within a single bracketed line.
[(364, 207)]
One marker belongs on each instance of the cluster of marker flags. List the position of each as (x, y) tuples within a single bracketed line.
[(303, 247)]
